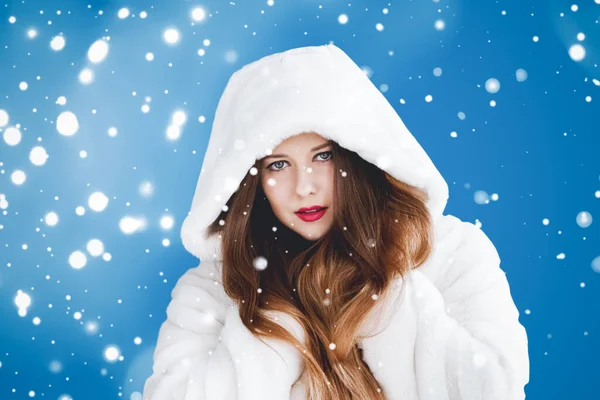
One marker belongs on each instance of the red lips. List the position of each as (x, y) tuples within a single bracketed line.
[(311, 216), (304, 209)]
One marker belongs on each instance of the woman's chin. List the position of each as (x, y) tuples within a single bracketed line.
[(311, 235)]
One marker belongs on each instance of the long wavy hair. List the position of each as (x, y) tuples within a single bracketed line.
[(381, 229)]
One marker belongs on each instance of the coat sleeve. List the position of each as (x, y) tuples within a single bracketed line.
[(188, 349), (469, 342), (205, 352)]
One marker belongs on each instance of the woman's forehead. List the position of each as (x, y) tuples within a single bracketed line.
[(300, 141)]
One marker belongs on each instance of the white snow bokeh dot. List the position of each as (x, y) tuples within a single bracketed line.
[(91, 327), (166, 222), (95, 247), (171, 36), (492, 85), (77, 260), (123, 13), (112, 353), (146, 189), (98, 51), (58, 43), (38, 156), (584, 219), (67, 123), (481, 197), (179, 117), (198, 14), (521, 75), (260, 263), (577, 52), (97, 201), (12, 136), (18, 177), (129, 225), (86, 76), (51, 218), (55, 367), (22, 301)]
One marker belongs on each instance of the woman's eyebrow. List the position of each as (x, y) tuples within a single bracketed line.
[(313, 149)]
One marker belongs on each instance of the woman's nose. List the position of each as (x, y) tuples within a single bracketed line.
[(305, 181)]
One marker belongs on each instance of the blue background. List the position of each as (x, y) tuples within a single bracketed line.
[(537, 149)]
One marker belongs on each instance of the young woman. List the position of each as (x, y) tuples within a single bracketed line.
[(327, 269)]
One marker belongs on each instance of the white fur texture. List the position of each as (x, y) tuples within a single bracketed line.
[(314, 88), (455, 332)]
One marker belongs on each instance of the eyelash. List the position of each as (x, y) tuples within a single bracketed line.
[(281, 169)]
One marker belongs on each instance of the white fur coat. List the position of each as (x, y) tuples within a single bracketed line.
[(455, 334)]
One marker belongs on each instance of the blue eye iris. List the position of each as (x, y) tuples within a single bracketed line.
[(329, 153)]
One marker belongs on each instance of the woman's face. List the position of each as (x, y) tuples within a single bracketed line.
[(299, 173)]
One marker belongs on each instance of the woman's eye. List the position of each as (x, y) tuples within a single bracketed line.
[(275, 168), (275, 163), (326, 152)]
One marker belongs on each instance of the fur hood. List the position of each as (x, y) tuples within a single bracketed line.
[(315, 88)]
